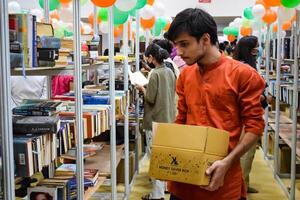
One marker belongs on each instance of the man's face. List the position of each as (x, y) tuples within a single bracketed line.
[(190, 49), (41, 197)]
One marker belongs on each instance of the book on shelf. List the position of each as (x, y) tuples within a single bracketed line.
[(48, 54), (63, 187), (45, 29), (42, 192), (71, 154), (48, 42)]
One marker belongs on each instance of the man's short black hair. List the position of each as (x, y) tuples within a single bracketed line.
[(195, 22)]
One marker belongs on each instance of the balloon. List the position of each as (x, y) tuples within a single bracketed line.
[(37, 12), (150, 2), (159, 9), (125, 5), (248, 13), (262, 2), (258, 11), (290, 3), (294, 18), (59, 32), (245, 31), (120, 17), (68, 33), (167, 26), (103, 14), (231, 24), (140, 4), (132, 12), (103, 3), (82, 2), (231, 38), (238, 21), (246, 23), (55, 23), (65, 1), (234, 31), (118, 31), (54, 15), (285, 13), (14, 7), (66, 14), (226, 31), (257, 24), (273, 3), (160, 24), (270, 16), (87, 29), (91, 19), (104, 27), (147, 12), (53, 4), (287, 25), (147, 23)]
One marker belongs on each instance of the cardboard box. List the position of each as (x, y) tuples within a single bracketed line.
[(182, 153)]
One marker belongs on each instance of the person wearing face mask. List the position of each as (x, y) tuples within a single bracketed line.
[(218, 92), (159, 100), (247, 51)]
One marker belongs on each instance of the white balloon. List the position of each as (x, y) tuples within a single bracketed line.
[(238, 21), (14, 7), (87, 29), (159, 9), (258, 11), (285, 13), (232, 24), (66, 14), (37, 12), (125, 5), (55, 23), (147, 12), (104, 27)]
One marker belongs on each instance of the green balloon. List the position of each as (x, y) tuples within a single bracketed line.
[(248, 13), (54, 4), (59, 32), (234, 31), (68, 33), (82, 2), (140, 4), (103, 14), (132, 12), (160, 23), (120, 17), (290, 3), (226, 31)]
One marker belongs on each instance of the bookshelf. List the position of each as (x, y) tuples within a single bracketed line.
[(282, 122), (110, 152)]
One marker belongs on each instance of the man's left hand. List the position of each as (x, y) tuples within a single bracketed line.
[(217, 171)]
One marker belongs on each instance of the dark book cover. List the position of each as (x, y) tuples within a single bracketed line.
[(47, 54), (35, 124)]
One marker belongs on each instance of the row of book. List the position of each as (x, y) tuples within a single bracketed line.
[(32, 44)]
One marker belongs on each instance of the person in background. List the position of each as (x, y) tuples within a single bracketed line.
[(228, 51), (159, 99), (33, 87), (167, 45), (246, 51), (218, 92)]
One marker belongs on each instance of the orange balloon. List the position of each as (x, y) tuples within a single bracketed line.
[(231, 38), (54, 15), (270, 3), (103, 3), (65, 1), (147, 23), (262, 2), (275, 28), (150, 2), (287, 25), (270, 16), (118, 31), (167, 26), (245, 31)]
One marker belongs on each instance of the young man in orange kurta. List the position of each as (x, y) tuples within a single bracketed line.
[(219, 92)]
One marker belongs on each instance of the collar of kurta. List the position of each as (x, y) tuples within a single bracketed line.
[(213, 65)]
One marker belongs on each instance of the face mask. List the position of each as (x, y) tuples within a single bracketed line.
[(151, 65)]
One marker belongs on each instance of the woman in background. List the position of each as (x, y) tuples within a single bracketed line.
[(159, 100)]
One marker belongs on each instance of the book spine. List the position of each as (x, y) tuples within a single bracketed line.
[(34, 43), (25, 112), (47, 42), (34, 128)]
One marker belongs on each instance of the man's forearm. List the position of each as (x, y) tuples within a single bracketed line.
[(243, 146)]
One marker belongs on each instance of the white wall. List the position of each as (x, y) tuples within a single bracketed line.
[(215, 8)]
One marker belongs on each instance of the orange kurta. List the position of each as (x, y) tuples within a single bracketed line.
[(226, 96)]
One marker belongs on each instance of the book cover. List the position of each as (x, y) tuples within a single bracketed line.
[(41, 192)]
